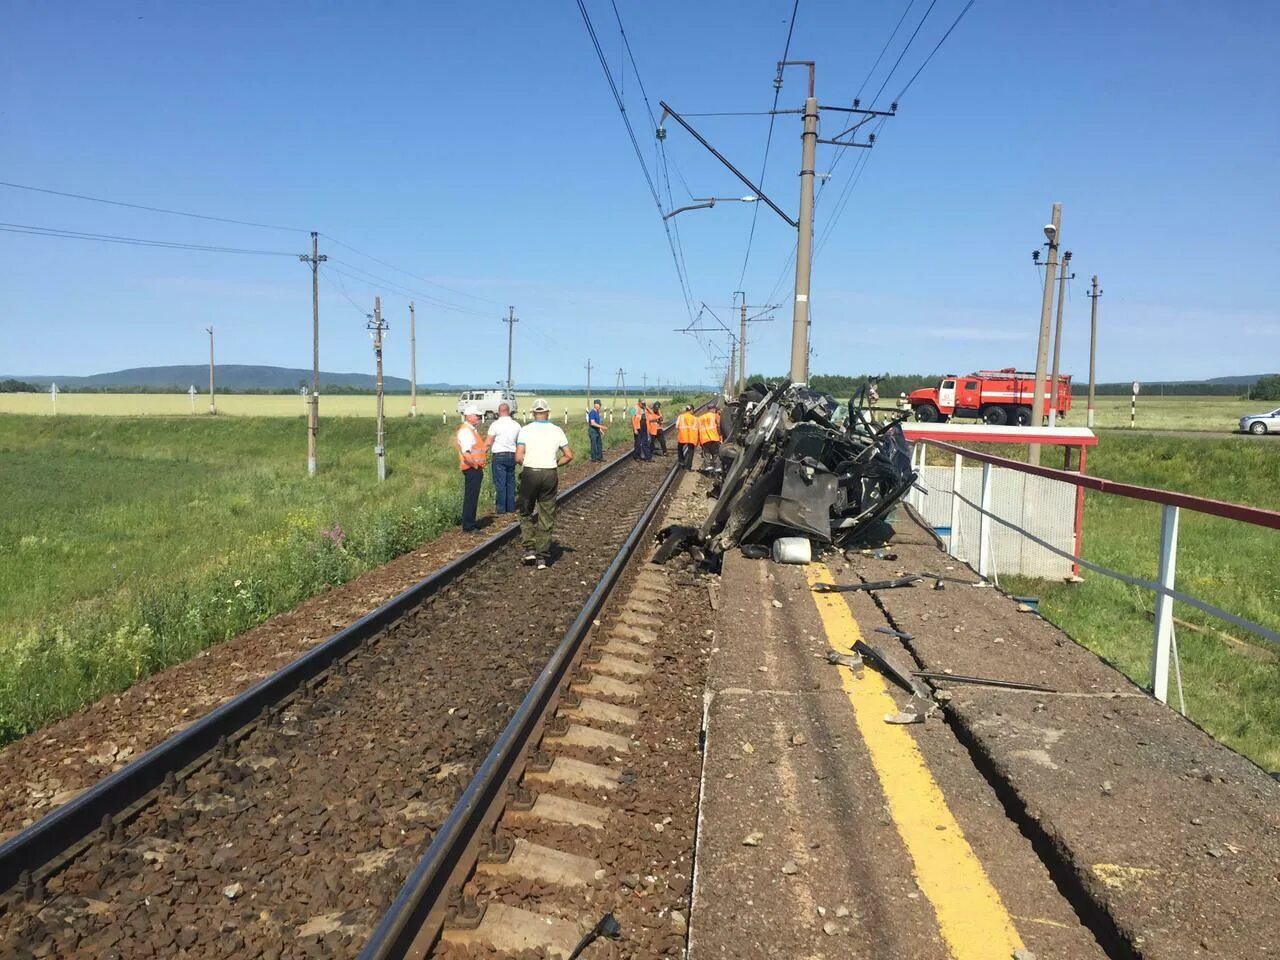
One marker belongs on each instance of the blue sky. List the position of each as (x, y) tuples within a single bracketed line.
[(477, 146)]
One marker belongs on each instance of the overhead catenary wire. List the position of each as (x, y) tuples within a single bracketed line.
[(148, 208), (635, 144), (768, 142), (364, 276), (58, 232)]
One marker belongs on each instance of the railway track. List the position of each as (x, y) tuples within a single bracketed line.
[(292, 820)]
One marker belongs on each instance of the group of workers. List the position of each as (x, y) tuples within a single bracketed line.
[(540, 448)]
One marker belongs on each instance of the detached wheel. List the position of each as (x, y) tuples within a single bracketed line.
[(995, 416), (1022, 416), (927, 413), (1257, 428)]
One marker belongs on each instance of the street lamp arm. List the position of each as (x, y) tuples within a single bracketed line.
[(666, 109), (692, 206)]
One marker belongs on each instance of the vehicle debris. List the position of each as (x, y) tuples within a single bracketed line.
[(907, 581), (982, 681), (852, 661), (793, 468), (900, 634)]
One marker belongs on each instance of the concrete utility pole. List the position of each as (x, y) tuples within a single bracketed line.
[(588, 381), (804, 241), (511, 321), (313, 402), (213, 406), (377, 326), (1053, 232), (413, 363), (1063, 277), (1094, 294), (742, 347), (619, 385)]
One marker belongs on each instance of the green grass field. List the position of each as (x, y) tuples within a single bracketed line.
[(274, 405), (1231, 680), (1165, 413), (128, 544)]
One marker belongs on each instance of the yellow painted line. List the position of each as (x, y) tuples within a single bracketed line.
[(971, 916)]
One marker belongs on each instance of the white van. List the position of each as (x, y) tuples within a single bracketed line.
[(486, 401)]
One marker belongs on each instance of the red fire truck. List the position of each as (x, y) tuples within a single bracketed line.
[(995, 396)]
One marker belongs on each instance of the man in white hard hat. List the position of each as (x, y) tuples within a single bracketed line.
[(471, 461), (541, 449)]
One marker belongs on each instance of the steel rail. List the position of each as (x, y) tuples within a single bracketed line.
[(59, 832), (417, 913)]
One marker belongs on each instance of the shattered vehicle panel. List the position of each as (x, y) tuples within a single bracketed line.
[(791, 469)]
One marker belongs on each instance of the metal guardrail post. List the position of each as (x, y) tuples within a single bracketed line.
[(984, 525), (1164, 604), (953, 541)]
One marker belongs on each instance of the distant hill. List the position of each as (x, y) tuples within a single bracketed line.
[(1247, 381), (244, 378), (229, 376)]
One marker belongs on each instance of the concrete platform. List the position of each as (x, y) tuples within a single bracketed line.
[(1088, 823)]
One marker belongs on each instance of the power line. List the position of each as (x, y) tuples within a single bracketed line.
[(134, 241), (768, 141), (885, 48), (898, 62), (364, 276), (407, 273), (141, 206), (635, 144), (954, 24)]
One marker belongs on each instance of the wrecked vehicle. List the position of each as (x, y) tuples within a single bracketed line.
[(792, 468)]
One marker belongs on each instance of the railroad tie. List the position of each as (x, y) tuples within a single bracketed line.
[(576, 773), (589, 738), (637, 619), (552, 808), (628, 632), (601, 711), (512, 930), (609, 688), (536, 862), (621, 667), (623, 648)]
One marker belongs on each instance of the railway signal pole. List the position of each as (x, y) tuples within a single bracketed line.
[(213, 406), (510, 320), (1094, 294), (1063, 277), (1053, 232), (313, 402), (413, 363), (377, 326)]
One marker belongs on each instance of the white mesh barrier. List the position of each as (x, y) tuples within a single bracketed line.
[(1046, 508)]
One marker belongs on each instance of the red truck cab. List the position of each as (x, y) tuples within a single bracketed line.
[(996, 397)]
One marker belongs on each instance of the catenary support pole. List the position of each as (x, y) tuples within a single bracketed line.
[(804, 242), (1094, 294), (742, 347), (1052, 390), (213, 406), (413, 362), (1042, 345), (376, 325), (511, 322), (313, 402), (1164, 604)]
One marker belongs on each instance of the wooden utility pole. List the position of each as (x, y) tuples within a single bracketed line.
[(377, 326), (213, 406), (1094, 294), (1063, 277), (313, 402), (413, 364), (510, 320), (1053, 233)]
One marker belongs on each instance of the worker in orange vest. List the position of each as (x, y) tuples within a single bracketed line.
[(471, 461), (686, 437), (640, 430), (656, 437), (709, 437)]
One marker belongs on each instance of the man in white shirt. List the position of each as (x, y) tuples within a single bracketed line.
[(471, 463), (502, 448), (541, 449)]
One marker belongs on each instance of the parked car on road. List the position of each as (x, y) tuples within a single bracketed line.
[(1260, 423)]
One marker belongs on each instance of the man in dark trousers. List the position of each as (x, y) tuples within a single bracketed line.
[(595, 432), (640, 430), (656, 436), (541, 449), (471, 461)]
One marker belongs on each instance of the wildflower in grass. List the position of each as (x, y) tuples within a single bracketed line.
[(335, 534)]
